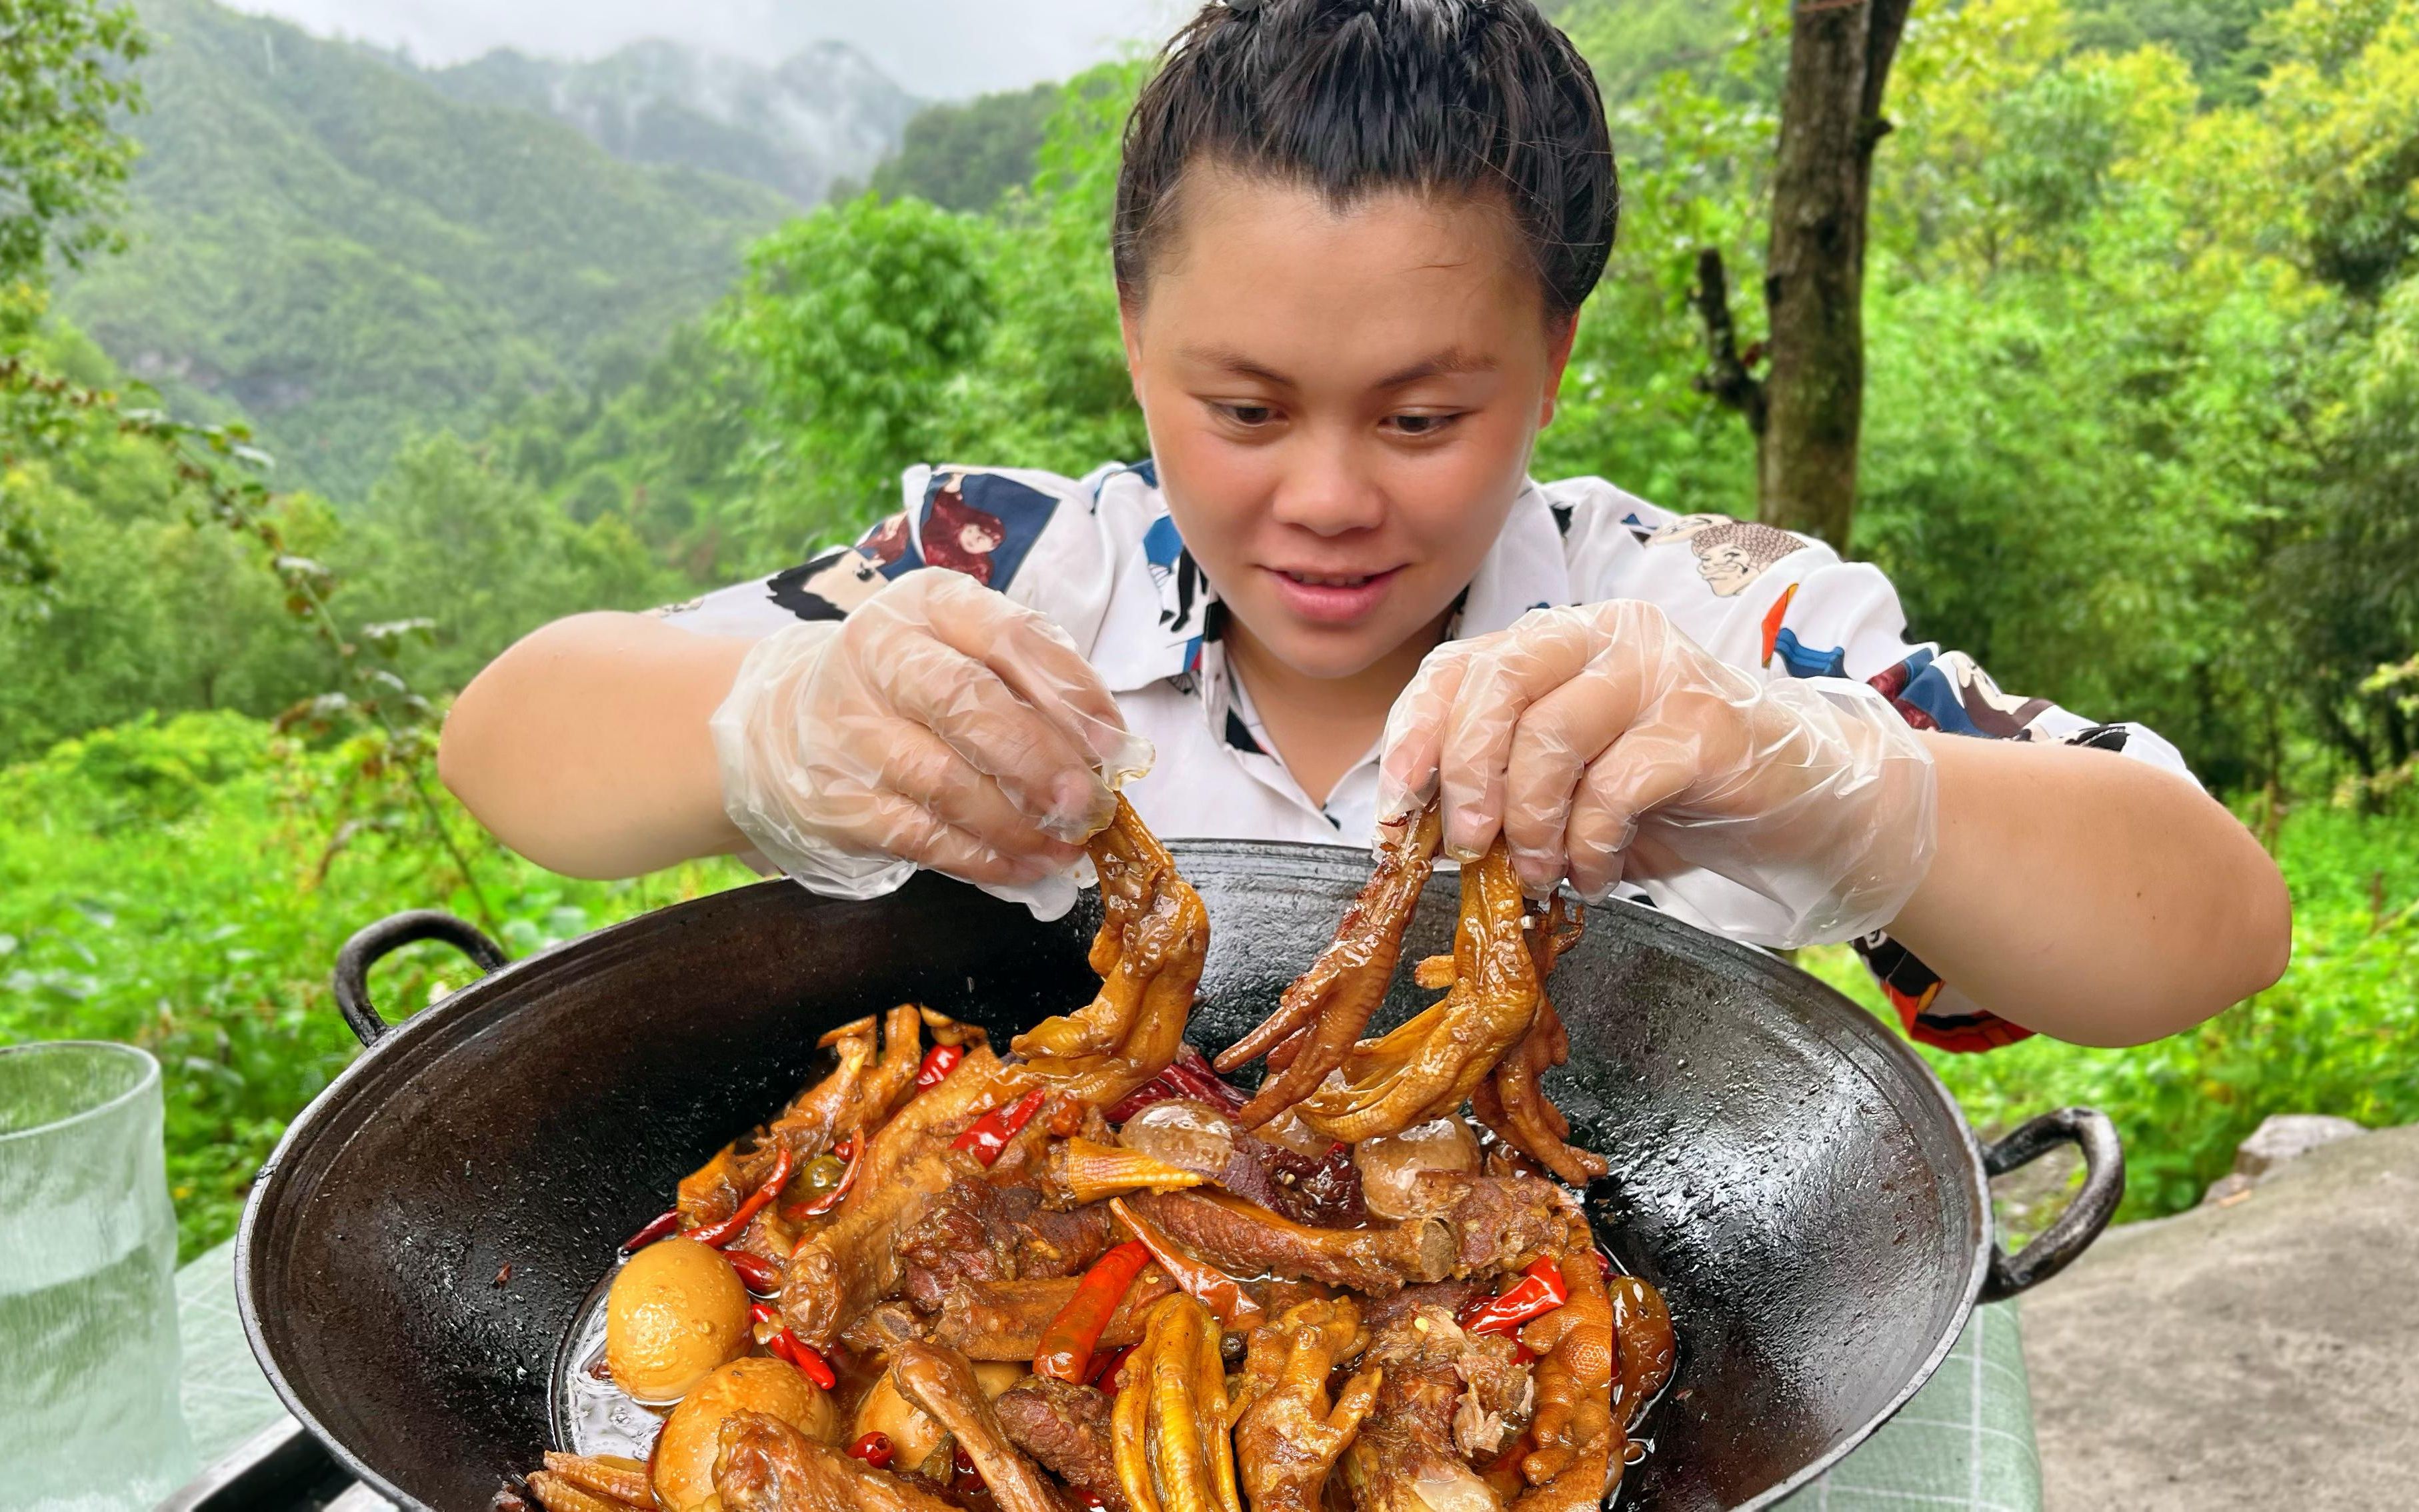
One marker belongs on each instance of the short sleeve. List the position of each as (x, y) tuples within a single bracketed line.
[(1033, 535), (1782, 604)]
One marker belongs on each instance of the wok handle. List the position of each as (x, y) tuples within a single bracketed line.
[(2103, 1188), (377, 941)]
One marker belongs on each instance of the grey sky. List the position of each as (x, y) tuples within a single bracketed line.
[(935, 48)]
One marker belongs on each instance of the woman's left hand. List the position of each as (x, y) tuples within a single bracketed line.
[(1602, 741)]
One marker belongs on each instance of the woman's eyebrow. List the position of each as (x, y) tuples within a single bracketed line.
[(1227, 358), (1451, 360)]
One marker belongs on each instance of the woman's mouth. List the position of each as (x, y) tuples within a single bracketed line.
[(1331, 598)]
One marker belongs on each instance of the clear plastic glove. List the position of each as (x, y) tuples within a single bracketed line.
[(1604, 744), (940, 726)]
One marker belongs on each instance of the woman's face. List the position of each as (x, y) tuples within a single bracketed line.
[(1342, 405)]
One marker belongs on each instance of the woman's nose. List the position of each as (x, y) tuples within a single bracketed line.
[(1325, 491)]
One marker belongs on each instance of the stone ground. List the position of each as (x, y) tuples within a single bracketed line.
[(2261, 1351)]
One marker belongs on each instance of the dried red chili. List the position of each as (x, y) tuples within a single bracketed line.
[(1213, 1288), (1539, 1291), (759, 1275), (851, 1149), (731, 1228), (994, 1129), (1190, 1074), (663, 1226), (1067, 1344), (787, 1345), (1107, 1367), (876, 1449), (938, 1063)]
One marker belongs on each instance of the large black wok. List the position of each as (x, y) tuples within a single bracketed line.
[(1791, 1176)]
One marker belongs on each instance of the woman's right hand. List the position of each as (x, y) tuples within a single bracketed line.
[(941, 725)]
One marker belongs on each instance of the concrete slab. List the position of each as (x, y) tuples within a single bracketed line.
[(2258, 1354)]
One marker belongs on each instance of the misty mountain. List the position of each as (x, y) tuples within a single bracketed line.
[(349, 255), (826, 112)]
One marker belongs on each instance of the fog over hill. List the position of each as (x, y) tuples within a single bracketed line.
[(825, 113), (937, 48)]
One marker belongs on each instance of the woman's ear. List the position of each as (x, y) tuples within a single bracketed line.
[(1129, 331), (1560, 337)]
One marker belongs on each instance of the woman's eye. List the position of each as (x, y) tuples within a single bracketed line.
[(1419, 426), (1247, 414)]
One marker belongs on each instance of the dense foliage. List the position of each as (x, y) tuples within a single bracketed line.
[(348, 256), (2142, 434)]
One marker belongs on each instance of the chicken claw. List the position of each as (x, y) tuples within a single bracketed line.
[(1154, 935), (1427, 1068), (1510, 1101), (1325, 1010), (1575, 1370), (1169, 1429), (1287, 1438)]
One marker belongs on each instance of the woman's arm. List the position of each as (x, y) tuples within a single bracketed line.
[(586, 746), (2089, 896)]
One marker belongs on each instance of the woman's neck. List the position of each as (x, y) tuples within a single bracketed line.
[(1322, 726)]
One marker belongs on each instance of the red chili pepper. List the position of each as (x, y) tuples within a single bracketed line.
[(756, 1273), (663, 1226), (797, 1351), (876, 1449), (1107, 1368), (1603, 1263), (994, 1129), (731, 1228), (938, 1063), (1539, 1291), (1067, 1344), (851, 1149), (1190, 1074), (1213, 1288), (969, 1479)]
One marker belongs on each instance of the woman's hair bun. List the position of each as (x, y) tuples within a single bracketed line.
[(1358, 97)]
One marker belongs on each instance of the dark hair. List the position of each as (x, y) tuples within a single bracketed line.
[(1355, 97)]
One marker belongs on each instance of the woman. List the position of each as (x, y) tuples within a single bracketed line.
[(1353, 239)]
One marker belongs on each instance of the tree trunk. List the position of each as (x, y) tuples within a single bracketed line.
[(1808, 411)]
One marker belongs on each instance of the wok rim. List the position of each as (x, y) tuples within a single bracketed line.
[(599, 947)]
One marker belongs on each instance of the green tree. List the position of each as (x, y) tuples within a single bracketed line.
[(64, 81), (853, 319)]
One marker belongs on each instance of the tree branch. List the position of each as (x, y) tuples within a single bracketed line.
[(1725, 377)]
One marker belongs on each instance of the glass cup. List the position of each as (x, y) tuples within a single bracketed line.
[(89, 1415)]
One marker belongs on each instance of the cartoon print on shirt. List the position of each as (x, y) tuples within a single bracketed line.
[(1946, 691), (891, 547), (982, 524), (1730, 553), (829, 587), (1183, 599)]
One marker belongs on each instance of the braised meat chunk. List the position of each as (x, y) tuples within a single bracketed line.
[(977, 1231), (1065, 1428)]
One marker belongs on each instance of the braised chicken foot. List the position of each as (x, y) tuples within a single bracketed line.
[(1288, 1435), (1510, 1101), (1575, 1371), (1324, 1012), (1173, 1450), (1154, 935), (1429, 1067)]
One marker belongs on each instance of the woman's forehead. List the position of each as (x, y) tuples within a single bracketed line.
[(1271, 278)]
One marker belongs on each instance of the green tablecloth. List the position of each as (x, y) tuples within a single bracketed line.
[(1965, 1442)]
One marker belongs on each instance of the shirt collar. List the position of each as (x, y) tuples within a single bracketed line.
[(1163, 612)]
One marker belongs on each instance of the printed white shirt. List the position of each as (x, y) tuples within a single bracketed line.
[(1100, 556)]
